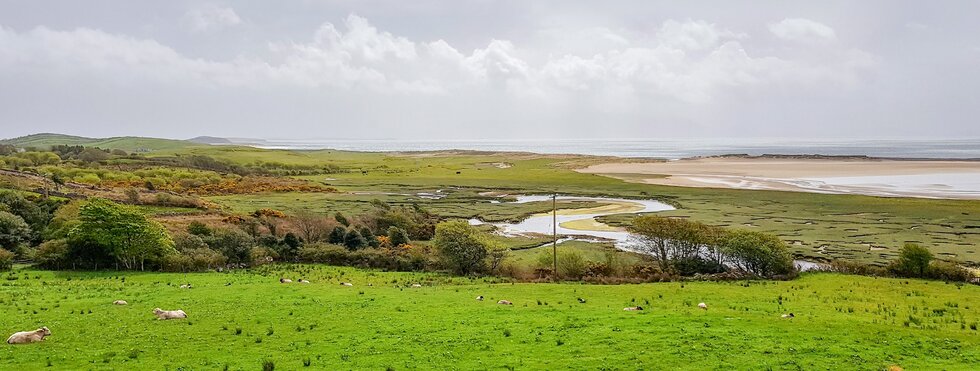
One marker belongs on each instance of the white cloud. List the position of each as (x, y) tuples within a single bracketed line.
[(209, 17), (800, 29), (690, 62)]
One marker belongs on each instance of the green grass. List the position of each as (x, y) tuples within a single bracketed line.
[(128, 144), (590, 251), (842, 322)]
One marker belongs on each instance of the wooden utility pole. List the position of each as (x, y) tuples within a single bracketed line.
[(554, 234)]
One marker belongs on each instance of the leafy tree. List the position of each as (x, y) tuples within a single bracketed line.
[(199, 229), (6, 260), (37, 214), (93, 155), (913, 261), (462, 247), (353, 240), (337, 235), (14, 232), (398, 236), (341, 219), (233, 243), (759, 253), (369, 237), (654, 234), (125, 232), (52, 253)]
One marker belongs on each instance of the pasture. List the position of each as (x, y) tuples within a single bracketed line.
[(240, 319)]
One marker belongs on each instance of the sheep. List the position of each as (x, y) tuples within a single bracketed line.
[(346, 284), (27, 337), (303, 281), (479, 298), (505, 302), (788, 316), (416, 285), (582, 301), (186, 286), (169, 314), (703, 306), (285, 280), (633, 308), (120, 302)]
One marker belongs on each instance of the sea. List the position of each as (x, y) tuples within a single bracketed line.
[(653, 148)]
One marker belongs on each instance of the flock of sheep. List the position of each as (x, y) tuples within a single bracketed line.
[(26, 337)]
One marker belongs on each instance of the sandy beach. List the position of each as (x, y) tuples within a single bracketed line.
[(893, 178)]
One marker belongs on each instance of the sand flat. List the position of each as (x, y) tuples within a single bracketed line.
[(895, 178)]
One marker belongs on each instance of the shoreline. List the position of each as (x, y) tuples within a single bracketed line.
[(943, 179)]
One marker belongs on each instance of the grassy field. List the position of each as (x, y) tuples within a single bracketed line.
[(240, 319)]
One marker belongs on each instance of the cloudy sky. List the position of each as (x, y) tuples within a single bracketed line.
[(460, 69)]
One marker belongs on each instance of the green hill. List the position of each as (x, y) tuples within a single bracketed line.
[(129, 144)]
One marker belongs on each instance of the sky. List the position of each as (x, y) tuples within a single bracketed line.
[(478, 69)]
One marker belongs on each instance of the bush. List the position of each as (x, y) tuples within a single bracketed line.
[(849, 267), (262, 255), (199, 259), (52, 254), (14, 231), (199, 229), (235, 244), (462, 247), (6, 260), (323, 253), (947, 271), (758, 253), (354, 240), (184, 242), (913, 261), (571, 264)]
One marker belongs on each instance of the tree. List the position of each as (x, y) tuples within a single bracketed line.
[(311, 227), (913, 260), (369, 237), (93, 155), (654, 235), (198, 229), (125, 232), (341, 219), (337, 235), (234, 243), (6, 259), (14, 232), (462, 247), (353, 240), (397, 236), (759, 253)]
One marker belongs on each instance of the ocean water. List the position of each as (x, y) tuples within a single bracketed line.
[(655, 148)]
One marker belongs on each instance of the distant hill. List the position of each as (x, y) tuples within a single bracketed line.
[(210, 140), (129, 144)]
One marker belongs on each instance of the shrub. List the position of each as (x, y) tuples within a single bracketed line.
[(462, 247), (850, 267), (184, 242), (199, 229), (913, 261), (948, 271), (14, 231), (6, 259), (233, 243), (397, 236), (354, 240), (758, 253), (52, 254), (323, 253), (262, 255), (571, 264)]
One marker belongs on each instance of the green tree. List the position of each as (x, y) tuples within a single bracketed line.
[(913, 260), (198, 229), (758, 253), (14, 232), (233, 243), (353, 240), (6, 260), (462, 247), (341, 219), (337, 235), (369, 237), (654, 234), (398, 236), (124, 231)]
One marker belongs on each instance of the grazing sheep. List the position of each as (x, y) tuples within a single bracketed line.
[(27, 337), (120, 302), (169, 314), (285, 280), (346, 284), (788, 315), (303, 281), (416, 285), (580, 300), (703, 306), (479, 298), (505, 302), (633, 308)]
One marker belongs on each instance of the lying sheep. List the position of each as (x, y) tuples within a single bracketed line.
[(790, 315), (169, 314), (186, 286), (703, 306), (505, 302), (27, 337), (303, 281), (479, 298), (120, 302), (285, 280), (633, 308), (582, 301), (346, 284), (416, 285)]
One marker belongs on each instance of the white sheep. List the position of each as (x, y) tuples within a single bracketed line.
[(303, 281), (703, 306), (346, 284), (505, 302), (187, 286), (790, 315), (27, 337), (285, 280), (120, 302), (416, 285), (169, 314), (633, 308), (479, 298)]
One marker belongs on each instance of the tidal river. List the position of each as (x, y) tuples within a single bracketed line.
[(580, 224)]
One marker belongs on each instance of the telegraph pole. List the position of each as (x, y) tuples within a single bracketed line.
[(554, 234)]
